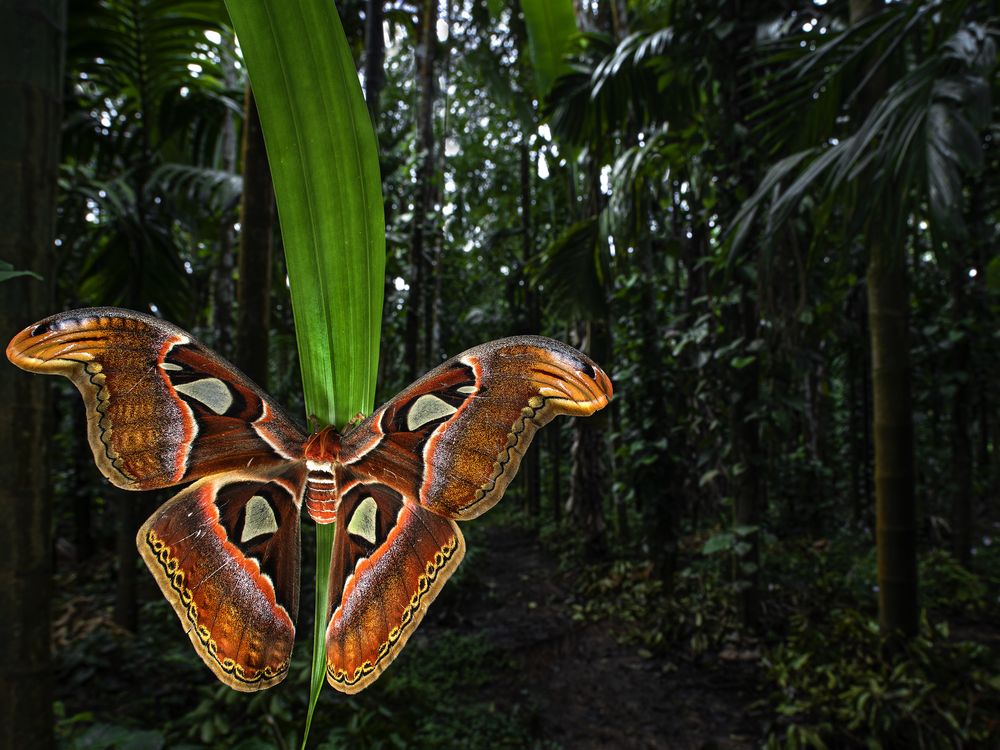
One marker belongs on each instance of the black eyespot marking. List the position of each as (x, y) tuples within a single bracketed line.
[(41, 329), (448, 391), (372, 527)]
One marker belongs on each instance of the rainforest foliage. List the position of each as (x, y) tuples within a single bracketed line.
[(775, 226)]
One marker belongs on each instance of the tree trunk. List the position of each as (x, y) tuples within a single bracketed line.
[(587, 484), (895, 509), (856, 374), (854, 418), (961, 423), (816, 436), (31, 84), (224, 287), (253, 322), (747, 502), (555, 451), (374, 58), (222, 291), (747, 488), (895, 504), (126, 592), (589, 477), (532, 317), (432, 301), (655, 481), (83, 462), (423, 204), (374, 83), (868, 419)]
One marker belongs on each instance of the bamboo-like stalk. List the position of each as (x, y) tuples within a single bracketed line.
[(895, 509)]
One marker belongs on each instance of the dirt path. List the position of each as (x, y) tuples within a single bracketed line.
[(573, 682)]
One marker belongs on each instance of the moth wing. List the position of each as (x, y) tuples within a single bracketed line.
[(390, 560), (225, 552), (453, 441), (162, 409)]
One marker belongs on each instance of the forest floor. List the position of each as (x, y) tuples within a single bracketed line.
[(509, 656), (579, 686), (527, 647)]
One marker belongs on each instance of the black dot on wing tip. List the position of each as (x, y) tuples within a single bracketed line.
[(41, 329), (589, 370)]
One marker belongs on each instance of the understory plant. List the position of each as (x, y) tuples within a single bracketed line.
[(834, 686)]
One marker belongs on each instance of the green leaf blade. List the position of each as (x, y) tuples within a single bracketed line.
[(551, 25), (324, 162)]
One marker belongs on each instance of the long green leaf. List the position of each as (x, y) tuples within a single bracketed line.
[(324, 161), (551, 25), (7, 272)]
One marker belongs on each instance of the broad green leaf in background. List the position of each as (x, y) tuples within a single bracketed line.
[(572, 270), (7, 272), (551, 25), (324, 161)]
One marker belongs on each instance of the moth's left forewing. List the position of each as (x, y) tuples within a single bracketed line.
[(162, 409)]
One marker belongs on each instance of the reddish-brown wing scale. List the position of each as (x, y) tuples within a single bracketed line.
[(454, 439), (390, 560), (162, 410), (225, 553)]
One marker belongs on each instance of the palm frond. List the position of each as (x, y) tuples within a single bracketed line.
[(572, 271), (632, 82), (921, 140), (216, 190)]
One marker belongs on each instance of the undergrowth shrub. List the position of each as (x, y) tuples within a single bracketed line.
[(834, 690), (699, 610), (947, 586)]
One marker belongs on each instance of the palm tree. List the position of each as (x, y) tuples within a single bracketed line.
[(882, 135), (639, 105), (148, 91)]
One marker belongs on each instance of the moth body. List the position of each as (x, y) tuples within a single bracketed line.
[(322, 455)]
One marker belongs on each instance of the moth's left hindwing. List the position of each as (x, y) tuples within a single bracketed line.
[(162, 409), (225, 553)]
